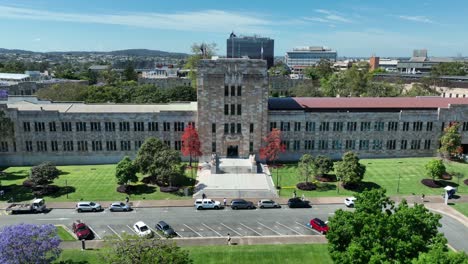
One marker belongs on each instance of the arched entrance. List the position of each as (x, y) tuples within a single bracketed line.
[(233, 151)]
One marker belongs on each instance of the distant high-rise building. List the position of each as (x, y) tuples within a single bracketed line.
[(253, 47), (421, 53), (300, 58), (374, 63)]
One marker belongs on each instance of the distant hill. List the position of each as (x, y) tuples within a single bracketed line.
[(127, 52)]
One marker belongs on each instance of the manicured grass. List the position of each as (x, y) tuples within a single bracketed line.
[(64, 234), (255, 254), (379, 173), (462, 208), (86, 182), (90, 256)]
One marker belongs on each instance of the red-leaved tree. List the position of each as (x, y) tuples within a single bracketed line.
[(273, 146), (191, 143)]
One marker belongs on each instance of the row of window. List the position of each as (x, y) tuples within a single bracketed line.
[(350, 144), (233, 108), (232, 90), (353, 126), (108, 126)]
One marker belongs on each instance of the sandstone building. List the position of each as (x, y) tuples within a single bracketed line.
[(232, 115)]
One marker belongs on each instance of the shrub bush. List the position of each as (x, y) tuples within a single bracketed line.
[(28, 184), (42, 191), (465, 182), (306, 186), (122, 189), (326, 178), (169, 189), (430, 183)]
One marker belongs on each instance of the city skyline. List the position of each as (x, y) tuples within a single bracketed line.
[(353, 28)]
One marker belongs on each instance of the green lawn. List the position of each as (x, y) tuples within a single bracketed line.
[(86, 182), (462, 208), (379, 173), (255, 254), (64, 234)]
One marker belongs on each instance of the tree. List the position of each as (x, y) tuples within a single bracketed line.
[(306, 89), (145, 251), (450, 68), (383, 89), (421, 89), (273, 146), (191, 143), (450, 141), (307, 166), (27, 243), (181, 93), (350, 170), (129, 72), (435, 168), (372, 235), (279, 69), (126, 171), (323, 165), (64, 92), (6, 125), (199, 51), (440, 255), (43, 174), (159, 161), (110, 76)]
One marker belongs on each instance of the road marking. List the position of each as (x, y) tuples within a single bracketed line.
[(114, 232), (57, 219), (178, 234), (156, 232), (270, 229), (251, 229), (132, 229), (290, 229), (212, 230), (94, 232), (308, 227), (193, 230), (230, 229)]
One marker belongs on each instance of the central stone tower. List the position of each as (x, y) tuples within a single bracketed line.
[(232, 112)]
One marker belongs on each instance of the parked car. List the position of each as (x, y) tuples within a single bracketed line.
[(319, 225), (142, 229), (349, 201), (81, 230), (241, 204), (207, 204), (268, 204), (165, 229), (298, 203), (88, 207), (119, 207)]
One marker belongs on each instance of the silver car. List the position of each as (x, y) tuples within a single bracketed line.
[(88, 207), (119, 207), (268, 204)]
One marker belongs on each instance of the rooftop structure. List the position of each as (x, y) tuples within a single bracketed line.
[(253, 47), (302, 57)]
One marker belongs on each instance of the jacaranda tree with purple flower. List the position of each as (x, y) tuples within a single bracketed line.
[(26, 243)]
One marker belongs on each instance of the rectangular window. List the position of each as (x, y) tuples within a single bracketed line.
[(125, 145), (239, 109), (153, 126), (138, 126), (442, 127), (226, 109), (415, 144), (350, 144), (391, 144), (41, 146), (179, 126), (233, 90), (310, 126), (363, 144), (29, 147), (323, 144), (324, 126), (308, 144), (239, 90), (233, 109), (26, 126), (427, 144), (284, 126), (336, 144), (251, 147), (226, 128), (3, 146), (213, 147), (365, 126), (417, 126), (124, 126), (377, 144), (54, 145), (80, 126), (213, 128), (178, 145), (239, 128), (251, 129), (297, 126), (167, 142), (429, 126), (67, 145), (138, 144), (379, 126), (233, 128), (109, 126), (464, 126), (95, 126), (296, 145), (226, 90), (167, 126), (337, 126), (82, 145), (405, 126), (191, 123), (287, 144), (111, 146), (96, 145), (39, 126), (404, 144), (272, 125), (351, 126), (52, 127), (392, 126)]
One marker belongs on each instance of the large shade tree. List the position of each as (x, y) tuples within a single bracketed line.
[(126, 171), (450, 141), (307, 167), (272, 146), (191, 143), (350, 170), (43, 174), (435, 168)]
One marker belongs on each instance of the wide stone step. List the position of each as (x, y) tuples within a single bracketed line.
[(231, 193)]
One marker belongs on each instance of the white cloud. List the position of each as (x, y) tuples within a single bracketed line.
[(333, 16), (204, 21), (316, 19), (421, 19), (36, 39)]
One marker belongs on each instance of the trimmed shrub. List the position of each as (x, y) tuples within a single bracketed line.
[(42, 191), (306, 186)]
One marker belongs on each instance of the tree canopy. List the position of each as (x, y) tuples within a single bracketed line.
[(307, 167), (450, 141), (191, 143), (350, 170), (126, 171), (435, 168), (273, 146), (450, 68), (43, 174)]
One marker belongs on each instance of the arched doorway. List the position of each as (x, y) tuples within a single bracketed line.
[(232, 151)]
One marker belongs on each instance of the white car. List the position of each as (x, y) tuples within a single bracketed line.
[(349, 201), (268, 204), (142, 229), (207, 204)]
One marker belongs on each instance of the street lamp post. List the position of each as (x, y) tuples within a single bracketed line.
[(399, 176), (66, 188)]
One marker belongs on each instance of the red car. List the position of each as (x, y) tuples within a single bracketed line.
[(81, 230), (319, 225)]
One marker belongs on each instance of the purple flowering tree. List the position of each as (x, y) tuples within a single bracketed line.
[(26, 243)]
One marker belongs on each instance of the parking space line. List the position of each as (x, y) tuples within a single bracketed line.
[(270, 229), (178, 234), (114, 232), (156, 232), (212, 230), (251, 229), (94, 232), (290, 229), (132, 229), (308, 227), (193, 230), (230, 229)]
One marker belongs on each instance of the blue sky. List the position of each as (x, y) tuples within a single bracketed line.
[(352, 27)]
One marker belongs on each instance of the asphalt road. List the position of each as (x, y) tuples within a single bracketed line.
[(188, 222)]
